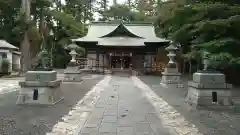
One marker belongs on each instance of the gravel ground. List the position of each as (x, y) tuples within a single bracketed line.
[(209, 122), (38, 120), (7, 86)]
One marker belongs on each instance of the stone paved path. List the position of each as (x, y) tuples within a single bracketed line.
[(123, 106)]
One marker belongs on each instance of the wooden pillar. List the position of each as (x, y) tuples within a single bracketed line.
[(121, 62), (103, 62), (91, 63), (133, 61), (110, 60), (151, 62), (184, 66), (97, 65)]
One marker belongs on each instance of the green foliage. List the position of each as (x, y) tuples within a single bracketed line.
[(133, 10), (119, 12), (221, 60), (72, 27), (66, 21), (206, 26)]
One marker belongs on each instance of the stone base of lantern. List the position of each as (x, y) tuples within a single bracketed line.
[(107, 71), (209, 90), (72, 74), (172, 77)]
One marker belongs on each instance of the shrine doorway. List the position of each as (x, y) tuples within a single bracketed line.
[(121, 62)]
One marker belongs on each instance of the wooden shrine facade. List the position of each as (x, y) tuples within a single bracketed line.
[(123, 46)]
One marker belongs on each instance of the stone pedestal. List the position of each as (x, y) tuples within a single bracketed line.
[(72, 74), (40, 87), (171, 76), (107, 71), (209, 90)]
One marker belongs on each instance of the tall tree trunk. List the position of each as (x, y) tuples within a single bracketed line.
[(190, 68), (105, 5), (104, 8), (41, 25), (25, 45), (114, 2), (129, 3)]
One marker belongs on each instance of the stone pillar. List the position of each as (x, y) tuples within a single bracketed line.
[(171, 74)]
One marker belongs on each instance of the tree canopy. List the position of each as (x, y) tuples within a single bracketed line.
[(204, 26), (198, 25)]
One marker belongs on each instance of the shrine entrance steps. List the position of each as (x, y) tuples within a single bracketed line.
[(122, 73)]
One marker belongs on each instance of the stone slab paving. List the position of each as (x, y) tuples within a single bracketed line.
[(208, 121), (128, 107), (73, 122)]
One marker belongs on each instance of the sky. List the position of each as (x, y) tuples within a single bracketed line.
[(118, 1)]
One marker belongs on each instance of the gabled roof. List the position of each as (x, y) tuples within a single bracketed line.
[(106, 33), (6, 45), (121, 30)]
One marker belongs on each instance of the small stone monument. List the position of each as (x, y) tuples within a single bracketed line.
[(40, 86), (72, 72), (209, 88), (171, 74)]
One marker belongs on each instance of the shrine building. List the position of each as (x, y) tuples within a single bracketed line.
[(120, 46)]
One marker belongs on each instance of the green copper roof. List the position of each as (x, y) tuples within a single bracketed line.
[(121, 30), (104, 31)]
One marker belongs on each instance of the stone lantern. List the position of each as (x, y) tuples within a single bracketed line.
[(171, 74), (73, 53), (171, 54), (72, 72)]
